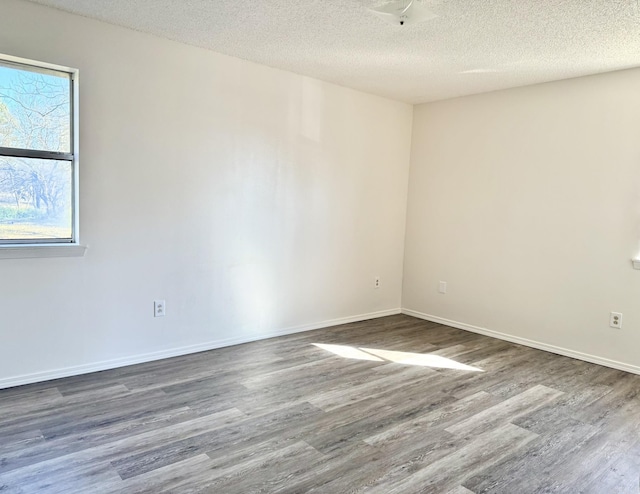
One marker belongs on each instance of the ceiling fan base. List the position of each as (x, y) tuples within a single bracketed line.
[(403, 12)]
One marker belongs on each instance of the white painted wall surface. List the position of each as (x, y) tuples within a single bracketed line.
[(253, 200), (527, 202)]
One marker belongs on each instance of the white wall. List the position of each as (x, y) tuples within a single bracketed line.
[(253, 200), (527, 202)]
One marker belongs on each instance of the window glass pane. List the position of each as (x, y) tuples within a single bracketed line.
[(35, 109), (36, 198)]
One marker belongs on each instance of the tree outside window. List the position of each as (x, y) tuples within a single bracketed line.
[(36, 154)]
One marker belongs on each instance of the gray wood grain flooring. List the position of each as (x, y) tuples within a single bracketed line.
[(392, 405)]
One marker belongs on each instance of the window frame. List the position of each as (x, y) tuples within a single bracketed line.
[(16, 248)]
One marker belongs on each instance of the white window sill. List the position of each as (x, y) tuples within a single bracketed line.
[(29, 251), (636, 263)]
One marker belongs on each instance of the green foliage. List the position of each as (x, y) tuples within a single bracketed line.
[(12, 213)]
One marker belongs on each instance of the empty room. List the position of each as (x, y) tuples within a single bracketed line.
[(333, 246)]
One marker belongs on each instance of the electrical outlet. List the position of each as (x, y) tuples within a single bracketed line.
[(442, 287), (159, 308), (376, 282), (615, 320)]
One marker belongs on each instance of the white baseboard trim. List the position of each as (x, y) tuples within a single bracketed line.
[(594, 359), (185, 350)]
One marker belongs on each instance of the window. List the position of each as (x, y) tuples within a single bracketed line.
[(38, 153)]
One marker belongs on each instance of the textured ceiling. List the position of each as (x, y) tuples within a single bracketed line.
[(471, 47)]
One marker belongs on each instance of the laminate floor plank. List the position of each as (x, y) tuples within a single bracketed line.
[(170, 478), (78, 418), (18, 442), (622, 474), (335, 473), (385, 417), (373, 387), (505, 411), (23, 404), (322, 425), (81, 467), (455, 412), (459, 490), (85, 438), (269, 472), (395, 404), (541, 462), (524, 377), (177, 449), (500, 368), (485, 450), (395, 459), (306, 370)]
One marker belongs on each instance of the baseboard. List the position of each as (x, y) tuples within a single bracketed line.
[(185, 350), (594, 359)]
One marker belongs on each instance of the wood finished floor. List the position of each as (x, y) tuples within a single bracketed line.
[(283, 415)]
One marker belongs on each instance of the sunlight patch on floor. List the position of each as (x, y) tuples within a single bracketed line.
[(405, 358), (348, 352)]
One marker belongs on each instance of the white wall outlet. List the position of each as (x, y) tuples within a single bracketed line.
[(615, 320), (376, 282), (442, 287), (159, 308)]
